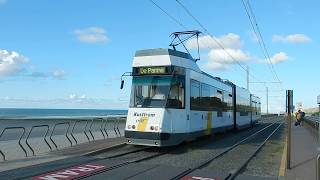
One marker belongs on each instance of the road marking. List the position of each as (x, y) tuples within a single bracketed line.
[(198, 178), (71, 172), (282, 170)]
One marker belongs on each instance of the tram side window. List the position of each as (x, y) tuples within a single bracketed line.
[(243, 107), (219, 103), (176, 95), (205, 97), (227, 101), (195, 95)]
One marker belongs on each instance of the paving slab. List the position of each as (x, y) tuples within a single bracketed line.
[(304, 150)]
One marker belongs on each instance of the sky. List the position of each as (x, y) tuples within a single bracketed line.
[(71, 54)]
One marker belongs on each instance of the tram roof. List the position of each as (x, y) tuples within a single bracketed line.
[(165, 51), (161, 51)]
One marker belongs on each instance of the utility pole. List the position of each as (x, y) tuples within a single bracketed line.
[(267, 91), (289, 104), (247, 77)]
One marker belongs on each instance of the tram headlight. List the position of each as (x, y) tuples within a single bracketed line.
[(129, 126), (152, 128), (133, 126), (156, 128)]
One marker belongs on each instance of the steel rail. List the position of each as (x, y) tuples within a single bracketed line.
[(115, 156), (234, 173), (206, 162), (124, 164), (44, 137), (147, 157), (126, 153)]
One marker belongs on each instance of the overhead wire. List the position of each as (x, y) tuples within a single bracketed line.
[(171, 17), (206, 32), (266, 54), (254, 24), (214, 38), (256, 29), (175, 20)]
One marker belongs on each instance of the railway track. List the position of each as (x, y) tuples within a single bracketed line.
[(231, 175), (230, 153), (128, 154), (122, 150)]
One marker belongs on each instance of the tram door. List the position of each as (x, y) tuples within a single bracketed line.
[(196, 117)]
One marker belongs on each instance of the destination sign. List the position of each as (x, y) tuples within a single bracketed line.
[(152, 70)]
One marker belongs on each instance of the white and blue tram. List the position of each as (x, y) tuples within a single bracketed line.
[(173, 101)]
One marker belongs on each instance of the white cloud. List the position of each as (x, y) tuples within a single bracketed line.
[(92, 35), (72, 96), (219, 59), (224, 56), (58, 74), (230, 41), (11, 63), (279, 57), (211, 65), (292, 38), (77, 98)]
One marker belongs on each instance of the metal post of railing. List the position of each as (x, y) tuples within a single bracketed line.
[(105, 127), (114, 126), (101, 126), (289, 104), (85, 131), (92, 121), (119, 119), (74, 125), (318, 168)]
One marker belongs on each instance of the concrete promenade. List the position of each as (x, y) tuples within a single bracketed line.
[(304, 151)]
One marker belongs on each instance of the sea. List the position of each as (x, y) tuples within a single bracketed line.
[(27, 113)]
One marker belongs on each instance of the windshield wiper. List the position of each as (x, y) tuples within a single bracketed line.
[(139, 99)]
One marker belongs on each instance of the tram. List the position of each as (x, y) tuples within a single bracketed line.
[(173, 101)]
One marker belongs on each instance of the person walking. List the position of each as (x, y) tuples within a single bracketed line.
[(298, 115)]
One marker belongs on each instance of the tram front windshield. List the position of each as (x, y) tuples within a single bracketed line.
[(157, 92)]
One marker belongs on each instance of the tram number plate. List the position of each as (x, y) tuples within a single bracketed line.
[(141, 120)]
